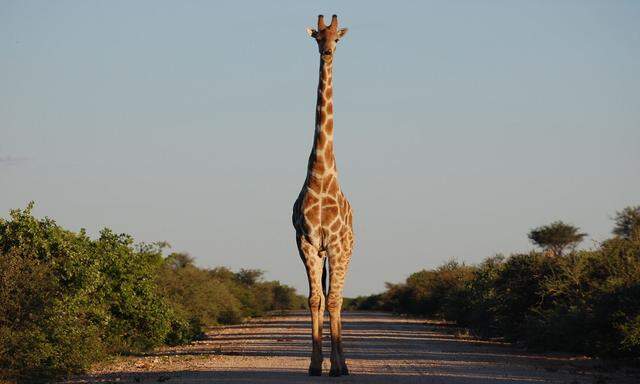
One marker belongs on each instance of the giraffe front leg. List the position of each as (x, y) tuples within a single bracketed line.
[(314, 264), (338, 365), (338, 269), (316, 305)]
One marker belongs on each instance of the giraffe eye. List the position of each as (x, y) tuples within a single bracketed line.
[(337, 40)]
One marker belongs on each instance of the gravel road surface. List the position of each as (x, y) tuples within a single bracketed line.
[(380, 348)]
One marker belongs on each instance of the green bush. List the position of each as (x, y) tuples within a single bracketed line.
[(67, 301), (613, 305), (478, 298), (586, 301), (519, 292), (427, 292), (50, 322), (219, 295), (197, 296), (138, 317), (364, 303)]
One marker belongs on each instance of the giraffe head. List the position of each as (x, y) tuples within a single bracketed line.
[(327, 36)]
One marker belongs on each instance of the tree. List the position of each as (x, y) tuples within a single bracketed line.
[(556, 237), (249, 277), (179, 260), (628, 223)]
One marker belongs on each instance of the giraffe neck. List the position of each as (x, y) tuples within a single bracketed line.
[(322, 161)]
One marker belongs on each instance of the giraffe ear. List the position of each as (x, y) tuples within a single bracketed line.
[(342, 32), (312, 32)]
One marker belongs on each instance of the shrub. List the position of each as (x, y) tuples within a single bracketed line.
[(67, 301), (519, 293), (478, 299), (428, 292), (138, 317), (201, 297), (372, 302), (49, 323), (197, 296), (586, 301), (613, 303)]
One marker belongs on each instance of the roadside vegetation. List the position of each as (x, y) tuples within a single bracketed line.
[(585, 301), (67, 300)]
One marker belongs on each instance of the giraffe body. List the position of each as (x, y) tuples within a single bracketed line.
[(322, 216)]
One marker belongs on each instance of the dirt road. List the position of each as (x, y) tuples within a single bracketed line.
[(380, 349)]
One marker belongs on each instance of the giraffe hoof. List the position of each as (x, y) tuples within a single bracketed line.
[(339, 370), (313, 371)]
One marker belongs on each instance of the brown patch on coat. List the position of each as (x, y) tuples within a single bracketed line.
[(328, 93), (309, 200), (322, 139), (330, 213), (329, 124), (323, 115), (319, 167), (329, 130), (328, 200), (333, 187), (328, 152), (313, 215), (315, 184)]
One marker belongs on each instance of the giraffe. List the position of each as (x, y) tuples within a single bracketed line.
[(322, 215)]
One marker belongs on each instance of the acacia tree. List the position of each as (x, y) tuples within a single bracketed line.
[(556, 237), (628, 223)]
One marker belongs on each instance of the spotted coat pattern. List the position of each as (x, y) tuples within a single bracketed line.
[(322, 216)]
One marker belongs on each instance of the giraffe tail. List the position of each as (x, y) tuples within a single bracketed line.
[(324, 277)]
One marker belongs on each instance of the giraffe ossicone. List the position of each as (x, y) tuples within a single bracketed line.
[(322, 216)]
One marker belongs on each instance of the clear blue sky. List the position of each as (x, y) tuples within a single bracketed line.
[(459, 125)]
